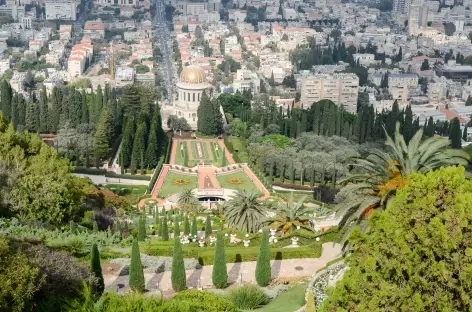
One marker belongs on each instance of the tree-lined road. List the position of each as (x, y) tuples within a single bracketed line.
[(162, 38)]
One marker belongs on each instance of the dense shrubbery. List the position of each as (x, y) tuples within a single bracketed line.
[(33, 275), (205, 256), (325, 194), (78, 243), (185, 301), (247, 297)]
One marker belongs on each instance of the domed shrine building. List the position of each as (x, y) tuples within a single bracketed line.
[(192, 84)]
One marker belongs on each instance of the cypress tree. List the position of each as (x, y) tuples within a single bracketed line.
[(408, 125), (126, 148), (176, 228), (220, 273), (95, 227), (21, 107), (193, 230), (186, 226), (14, 111), (136, 274), (464, 134), (430, 128), (6, 95), (96, 269), (263, 270), (178, 278), (346, 129), (84, 114), (332, 120), (43, 111), (316, 119), (98, 103), (152, 149), (156, 216), (339, 122), (139, 143), (455, 133), (165, 229), (208, 229), (30, 118), (142, 229), (469, 101), (101, 138), (206, 116)]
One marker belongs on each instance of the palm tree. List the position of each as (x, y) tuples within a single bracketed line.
[(244, 211), (381, 174), (186, 197), (290, 215)]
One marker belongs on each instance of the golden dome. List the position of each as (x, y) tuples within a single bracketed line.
[(193, 75)]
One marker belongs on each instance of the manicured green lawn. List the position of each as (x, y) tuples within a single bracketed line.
[(170, 188), (193, 144), (290, 301), (247, 184), (130, 192)]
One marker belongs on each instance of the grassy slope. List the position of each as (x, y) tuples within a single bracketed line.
[(133, 191), (289, 301), (168, 188)]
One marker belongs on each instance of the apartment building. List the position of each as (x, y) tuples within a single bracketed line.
[(4, 65), (246, 80), (342, 89), (94, 29), (80, 56), (117, 2), (61, 10)]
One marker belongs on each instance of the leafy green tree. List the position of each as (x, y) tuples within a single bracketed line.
[(401, 261), (220, 274), (263, 270), (21, 280), (425, 65), (97, 269), (208, 229), (136, 274), (178, 277), (455, 134), (244, 211)]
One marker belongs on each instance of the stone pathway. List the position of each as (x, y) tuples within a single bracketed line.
[(207, 179), (237, 272)]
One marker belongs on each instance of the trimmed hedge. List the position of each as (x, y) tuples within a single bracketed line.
[(92, 171), (206, 255), (157, 171), (127, 176), (293, 186), (169, 148)]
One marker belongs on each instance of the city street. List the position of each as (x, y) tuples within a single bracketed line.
[(162, 38)]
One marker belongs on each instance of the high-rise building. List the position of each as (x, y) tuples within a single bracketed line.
[(61, 10), (417, 17), (340, 88), (401, 6)]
